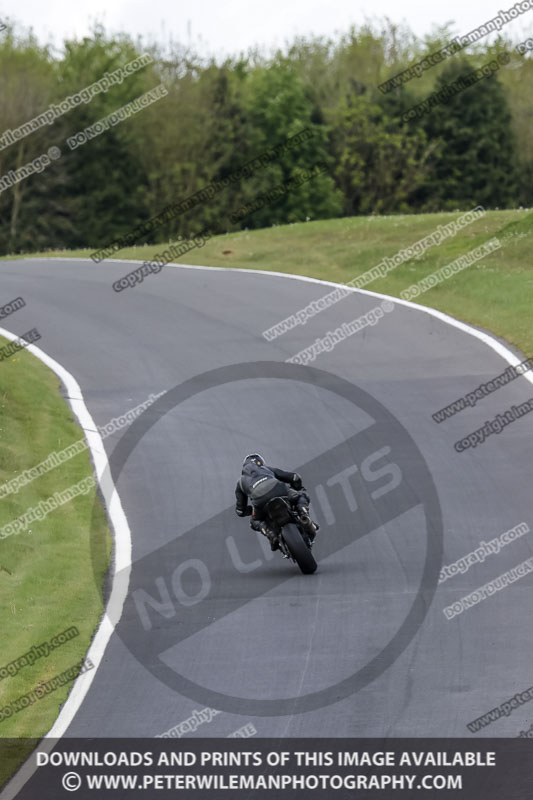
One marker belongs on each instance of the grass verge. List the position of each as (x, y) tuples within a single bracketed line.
[(46, 582), (50, 579), (494, 293)]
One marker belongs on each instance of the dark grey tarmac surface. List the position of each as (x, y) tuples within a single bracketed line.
[(361, 648)]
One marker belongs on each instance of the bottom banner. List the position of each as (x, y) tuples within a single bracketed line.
[(492, 769)]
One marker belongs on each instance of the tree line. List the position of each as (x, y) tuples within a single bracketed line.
[(366, 152)]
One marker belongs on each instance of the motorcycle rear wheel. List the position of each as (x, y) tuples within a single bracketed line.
[(299, 550)]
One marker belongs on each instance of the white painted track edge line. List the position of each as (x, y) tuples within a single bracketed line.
[(121, 564), (489, 339)]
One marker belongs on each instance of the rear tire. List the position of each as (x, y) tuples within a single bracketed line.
[(299, 550)]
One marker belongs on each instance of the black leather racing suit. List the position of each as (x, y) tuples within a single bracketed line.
[(258, 485)]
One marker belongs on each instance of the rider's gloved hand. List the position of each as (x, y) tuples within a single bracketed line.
[(296, 482), (246, 513)]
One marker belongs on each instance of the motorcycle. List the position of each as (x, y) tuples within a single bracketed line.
[(286, 524)]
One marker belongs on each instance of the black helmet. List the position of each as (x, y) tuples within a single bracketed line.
[(256, 458)]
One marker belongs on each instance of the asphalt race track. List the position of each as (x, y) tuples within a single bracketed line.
[(213, 619)]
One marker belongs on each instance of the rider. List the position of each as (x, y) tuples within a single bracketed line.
[(259, 484)]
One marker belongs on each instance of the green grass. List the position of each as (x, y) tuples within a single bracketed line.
[(46, 577), (47, 583), (494, 293)]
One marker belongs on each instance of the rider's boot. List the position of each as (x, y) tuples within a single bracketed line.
[(260, 527), (270, 535), (273, 539)]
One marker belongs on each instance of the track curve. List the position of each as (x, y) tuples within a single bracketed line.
[(206, 600)]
